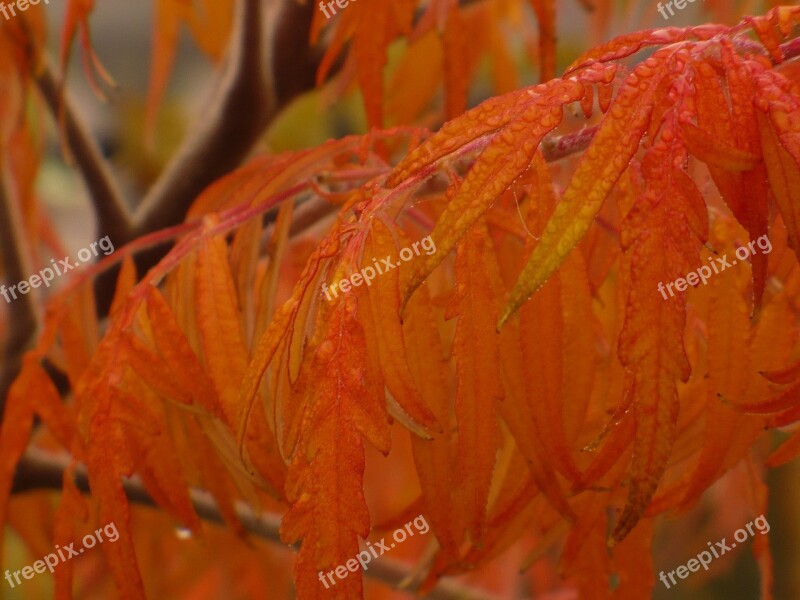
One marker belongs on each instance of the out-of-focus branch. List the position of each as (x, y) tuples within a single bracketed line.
[(105, 195), (309, 214), (21, 307), (40, 470), (268, 63), (241, 108)]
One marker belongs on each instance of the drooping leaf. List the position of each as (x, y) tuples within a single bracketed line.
[(433, 458), (507, 154), (324, 485), (479, 389), (220, 326), (604, 162), (384, 327), (660, 243)]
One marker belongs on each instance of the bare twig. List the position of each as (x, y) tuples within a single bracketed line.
[(40, 470), (21, 310)]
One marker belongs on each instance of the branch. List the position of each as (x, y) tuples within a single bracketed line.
[(556, 148), (268, 63), (113, 217), (309, 214), (239, 112), (40, 470), (294, 62), (553, 149), (22, 310), (791, 49)]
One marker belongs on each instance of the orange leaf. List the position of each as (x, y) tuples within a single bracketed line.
[(728, 327), (31, 385), (626, 45), (177, 356), (541, 333), (714, 151), (742, 88), (659, 246), (108, 461), (77, 18), (479, 387), (546, 15), (784, 179), (433, 458), (324, 483), (382, 325), (219, 324), (598, 171), (506, 156)]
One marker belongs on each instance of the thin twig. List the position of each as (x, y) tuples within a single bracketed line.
[(40, 470)]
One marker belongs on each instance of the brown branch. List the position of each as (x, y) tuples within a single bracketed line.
[(309, 214), (40, 470), (293, 62), (241, 108), (556, 148), (553, 149), (106, 197), (268, 63), (791, 49), (22, 317)]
